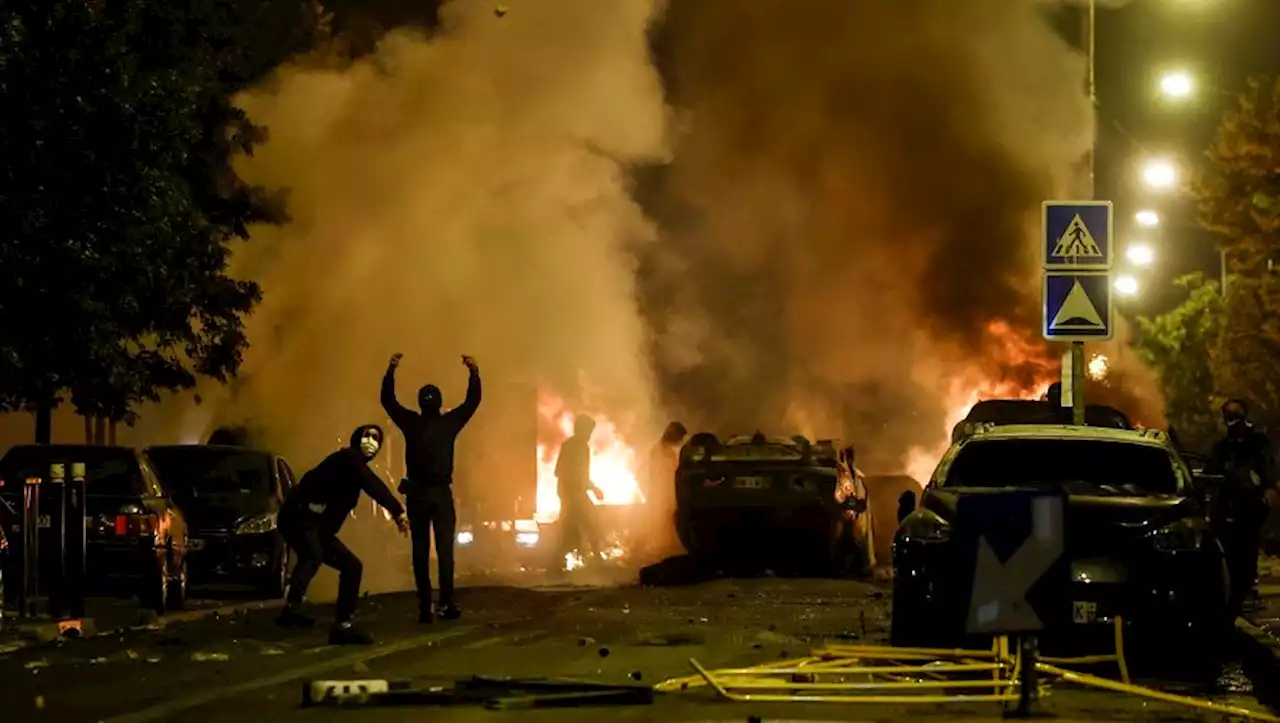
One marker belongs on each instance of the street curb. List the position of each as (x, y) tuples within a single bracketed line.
[(182, 616)]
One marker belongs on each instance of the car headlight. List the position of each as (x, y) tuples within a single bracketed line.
[(257, 525), (926, 527), (466, 537), (527, 539), (1181, 536)]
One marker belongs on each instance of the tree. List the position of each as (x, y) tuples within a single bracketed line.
[(118, 135), (1238, 196), (1178, 345)]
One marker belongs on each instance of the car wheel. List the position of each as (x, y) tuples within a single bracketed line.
[(274, 587), (910, 623), (176, 592), (155, 590)]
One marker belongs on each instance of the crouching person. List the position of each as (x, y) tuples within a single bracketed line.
[(310, 521)]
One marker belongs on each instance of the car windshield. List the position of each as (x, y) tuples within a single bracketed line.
[(108, 470), (1091, 466), (195, 474)]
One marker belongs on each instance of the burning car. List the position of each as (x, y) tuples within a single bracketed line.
[(1137, 542), (757, 502)]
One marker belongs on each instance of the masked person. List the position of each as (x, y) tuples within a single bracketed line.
[(1245, 460), (573, 481), (429, 436), (311, 518), (660, 491)]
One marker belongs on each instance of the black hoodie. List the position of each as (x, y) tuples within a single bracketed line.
[(429, 435), (332, 488)]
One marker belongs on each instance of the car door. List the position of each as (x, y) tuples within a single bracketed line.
[(287, 480), (173, 523)]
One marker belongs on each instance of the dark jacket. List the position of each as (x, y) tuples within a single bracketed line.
[(332, 488), (1237, 455), (429, 438), (573, 471)]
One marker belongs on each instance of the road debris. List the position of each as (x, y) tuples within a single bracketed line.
[(201, 657), (491, 693)]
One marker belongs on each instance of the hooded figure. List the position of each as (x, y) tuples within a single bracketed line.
[(1245, 460), (310, 520), (429, 437)]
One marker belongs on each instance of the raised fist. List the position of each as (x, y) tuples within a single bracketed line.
[(469, 362), (395, 359)]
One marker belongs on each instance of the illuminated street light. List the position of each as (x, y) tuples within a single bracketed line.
[(1140, 254), (1147, 219), (1160, 174), (1177, 84), (1126, 285)]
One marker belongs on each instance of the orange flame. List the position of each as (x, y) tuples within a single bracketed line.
[(614, 463), (1015, 356)]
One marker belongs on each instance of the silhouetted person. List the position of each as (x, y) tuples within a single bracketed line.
[(429, 436), (660, 490), (574, 485), (1245, 459), (310, 520)]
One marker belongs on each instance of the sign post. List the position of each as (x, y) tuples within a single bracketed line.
[(1078, 253), (1020, 579)]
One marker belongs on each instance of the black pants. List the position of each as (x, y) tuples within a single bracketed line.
[(578, 533), (431, 511), (314, 546), (1242, 543)]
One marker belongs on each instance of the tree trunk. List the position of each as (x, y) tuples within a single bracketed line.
[(88, 428), (111, 432), (44, 423), (99, 430)]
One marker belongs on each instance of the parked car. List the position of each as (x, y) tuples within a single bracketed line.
[(136, 537), (1137, 540), (231, 497)]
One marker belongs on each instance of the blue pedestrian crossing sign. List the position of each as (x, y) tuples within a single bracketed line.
[(1077, 235), (1077, 306)]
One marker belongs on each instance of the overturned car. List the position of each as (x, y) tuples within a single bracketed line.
[(755, 503)]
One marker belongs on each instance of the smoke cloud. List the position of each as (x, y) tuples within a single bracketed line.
[(459, 194), (854, 201)]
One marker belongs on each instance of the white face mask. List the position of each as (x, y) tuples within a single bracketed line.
[(369, 444)]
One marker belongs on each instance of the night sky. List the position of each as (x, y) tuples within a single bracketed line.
[(1221, 42)]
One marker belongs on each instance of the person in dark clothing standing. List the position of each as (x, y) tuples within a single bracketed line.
[(574, 485), (1245, 459), (310, 520), (429, 436)]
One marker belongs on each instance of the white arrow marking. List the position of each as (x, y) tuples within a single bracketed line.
[(999, 601)]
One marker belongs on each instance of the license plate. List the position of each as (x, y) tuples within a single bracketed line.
[(751, 483), (195, 544), (1084, 613)]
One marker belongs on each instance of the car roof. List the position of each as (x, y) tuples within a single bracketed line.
[(224, 448), (1147, 437)]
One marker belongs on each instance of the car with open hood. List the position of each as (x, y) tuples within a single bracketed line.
[(757, 502), (231, 497), (1136, 538)]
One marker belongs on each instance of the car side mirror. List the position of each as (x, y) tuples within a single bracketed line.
[(906, 505)]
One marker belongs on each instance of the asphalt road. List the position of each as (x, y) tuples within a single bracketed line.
[(222, 669)]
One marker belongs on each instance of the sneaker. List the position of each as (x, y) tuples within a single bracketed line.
[(292, 618), (426, 616), (450, 611), (346, 634)]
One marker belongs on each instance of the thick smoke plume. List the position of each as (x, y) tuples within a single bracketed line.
[(465, 193), (854, 201)]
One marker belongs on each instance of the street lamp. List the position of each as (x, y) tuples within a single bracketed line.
[(1126, 285), (1159, 173), (1147, 219), (1177, 85), (1140, 254)]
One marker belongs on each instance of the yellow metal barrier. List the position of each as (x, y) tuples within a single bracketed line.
[(885, 675)]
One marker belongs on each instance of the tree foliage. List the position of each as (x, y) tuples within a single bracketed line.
[(1231, 345), (120, 204), (1178, 345)]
